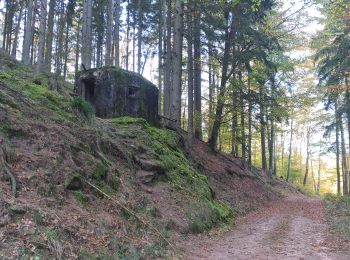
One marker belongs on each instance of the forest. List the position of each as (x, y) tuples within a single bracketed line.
[(264, 81)]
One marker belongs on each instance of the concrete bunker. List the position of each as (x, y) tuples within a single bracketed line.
[(116, 92)]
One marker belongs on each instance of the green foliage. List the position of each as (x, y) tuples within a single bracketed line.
[(81, 197), (100, 172), (338, 208), (37, 218), (203, 211), (82, 106), (206, 217), (127, 120)]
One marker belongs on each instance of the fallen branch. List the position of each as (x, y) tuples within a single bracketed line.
[(130, 212)]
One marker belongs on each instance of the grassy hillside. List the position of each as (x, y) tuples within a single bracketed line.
[(93, 188)]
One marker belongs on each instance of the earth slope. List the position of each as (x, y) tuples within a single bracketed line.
[(92, 188)]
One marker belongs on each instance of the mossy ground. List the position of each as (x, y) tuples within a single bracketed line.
[(190, 187)]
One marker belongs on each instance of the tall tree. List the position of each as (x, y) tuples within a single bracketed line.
[(28, 33), (86, 34), (42, 34)]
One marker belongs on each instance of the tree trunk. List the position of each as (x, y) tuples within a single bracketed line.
[(133, 40), (250, 109), (229, 34), (127, 35), (319, 175), (160, 56), (344, 158), (139, 35), (175, 96), (17, 29), (262, 128), (49, 35), (168, 63), (211, 86), (60, 38), (190, 70), (307, 155), (116, 34), (243, 137), (108, 56), (86, 48), (28, 34), (290, 150), (197, 72), (337, 143), (42, 33)]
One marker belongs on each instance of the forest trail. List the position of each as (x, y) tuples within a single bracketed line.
[(292, 228)]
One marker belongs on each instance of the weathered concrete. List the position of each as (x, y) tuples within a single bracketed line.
[(116, 92)]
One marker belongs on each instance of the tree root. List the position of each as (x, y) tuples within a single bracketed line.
[(12, 178)]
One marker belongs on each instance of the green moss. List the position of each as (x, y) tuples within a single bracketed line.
[(81, 197), (208, 214), (4, 75), (100, 172), (82, 106), (127, 120), (202, 210)]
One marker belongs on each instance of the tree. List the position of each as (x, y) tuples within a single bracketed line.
[(175, 94), (86, 34), (28, 34)]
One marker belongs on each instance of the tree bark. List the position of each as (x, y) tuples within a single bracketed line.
[(116, 34), (86, 48), (108, 56), (49, 35), (127, 35), (28, 34), (290, 150), (139, 35), (42, 34), (197, 72), (168, 63), (175, 96), (160, 56), (250, 109), (262, 127), (190, 70), (307, 155), (337, 143), (17, 29), (344, 158), (229, 34)]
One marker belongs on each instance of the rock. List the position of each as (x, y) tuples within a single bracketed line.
[(74, 183), (145, 177), (18, 209), (29, 231), (148, 164), (4, 220)]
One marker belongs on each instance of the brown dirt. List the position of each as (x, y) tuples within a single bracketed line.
[(292, 228), (233, 182)]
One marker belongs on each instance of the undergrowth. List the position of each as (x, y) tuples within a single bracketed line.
[(190, 188), (338, 208)]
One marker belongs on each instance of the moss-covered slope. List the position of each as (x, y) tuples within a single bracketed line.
[(55, 148)]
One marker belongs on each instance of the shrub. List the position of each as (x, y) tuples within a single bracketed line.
[(82, 106), (81, 197)]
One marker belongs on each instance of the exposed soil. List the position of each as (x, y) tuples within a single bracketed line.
[(292, 228)]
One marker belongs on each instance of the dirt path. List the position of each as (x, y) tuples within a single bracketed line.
[(293, 228)]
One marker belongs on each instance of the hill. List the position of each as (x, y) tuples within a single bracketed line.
[(76, 186)]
